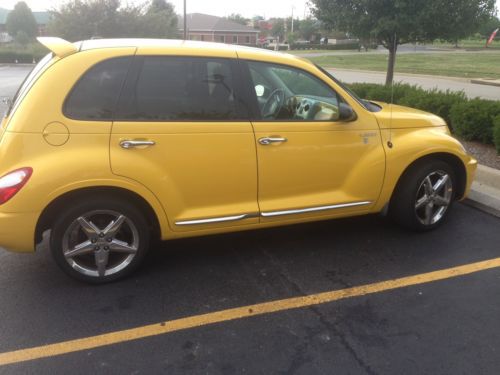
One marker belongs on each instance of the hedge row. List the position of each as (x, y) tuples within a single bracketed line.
[(470, 119), (330, 47), (11, 57)]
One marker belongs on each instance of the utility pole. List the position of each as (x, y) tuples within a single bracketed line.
[(292, 18), (185, 21)]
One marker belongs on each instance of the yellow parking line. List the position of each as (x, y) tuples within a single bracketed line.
[(238, 313)]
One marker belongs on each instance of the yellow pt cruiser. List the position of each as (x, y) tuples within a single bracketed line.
[(111, 143)]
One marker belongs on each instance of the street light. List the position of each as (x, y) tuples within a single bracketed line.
[(185, 21)]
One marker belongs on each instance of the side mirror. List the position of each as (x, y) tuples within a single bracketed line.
[(346, 113)]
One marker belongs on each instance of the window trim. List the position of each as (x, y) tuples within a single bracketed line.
[(242, 110), (251, 98), (84, 74)]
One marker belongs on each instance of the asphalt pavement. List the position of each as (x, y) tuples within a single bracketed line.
[(447, 327)]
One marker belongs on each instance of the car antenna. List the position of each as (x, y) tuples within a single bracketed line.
[(389, 142)]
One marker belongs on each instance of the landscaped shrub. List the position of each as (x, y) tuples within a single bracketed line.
[(382, 93), (496, 133), (473, 120)]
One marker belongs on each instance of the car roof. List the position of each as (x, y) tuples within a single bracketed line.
[(61, 48)]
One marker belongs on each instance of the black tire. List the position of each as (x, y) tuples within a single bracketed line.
[(121, 252), (411, 192)]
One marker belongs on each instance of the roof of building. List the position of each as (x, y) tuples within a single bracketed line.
[(41, 18), (206, 22)]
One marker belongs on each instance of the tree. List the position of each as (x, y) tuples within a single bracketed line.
[(21, 22), (238, 18), (488, 26), (308, 28), (458, 19), (394, 22)]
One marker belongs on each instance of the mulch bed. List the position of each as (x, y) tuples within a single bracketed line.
[(485, 154)]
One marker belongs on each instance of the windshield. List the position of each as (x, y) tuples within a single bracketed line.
[(27, 83)]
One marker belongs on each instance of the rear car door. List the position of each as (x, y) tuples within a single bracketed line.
[(181, 131)]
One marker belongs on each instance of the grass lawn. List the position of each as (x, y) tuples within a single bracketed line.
[(453, 64)]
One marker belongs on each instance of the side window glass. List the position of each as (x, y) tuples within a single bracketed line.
[(286, 93), (181, 89), (95, 95)]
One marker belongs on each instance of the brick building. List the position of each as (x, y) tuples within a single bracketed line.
[(216, 29)]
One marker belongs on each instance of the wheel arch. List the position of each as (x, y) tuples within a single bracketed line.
[(454, 161), (50, 211)]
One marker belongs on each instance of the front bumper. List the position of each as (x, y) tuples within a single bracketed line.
[(17, 231), (470, 167)]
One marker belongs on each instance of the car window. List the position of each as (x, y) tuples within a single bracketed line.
[(171, 88), (287, 93), (95, 95)]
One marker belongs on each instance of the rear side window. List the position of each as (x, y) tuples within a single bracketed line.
[(173, 88), (95, 95)]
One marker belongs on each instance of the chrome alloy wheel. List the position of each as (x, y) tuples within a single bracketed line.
[(100, 243), (433, 197)]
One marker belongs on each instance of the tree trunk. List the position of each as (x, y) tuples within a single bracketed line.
[(390, 66)]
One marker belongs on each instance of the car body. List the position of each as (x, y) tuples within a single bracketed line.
[(198, 138)]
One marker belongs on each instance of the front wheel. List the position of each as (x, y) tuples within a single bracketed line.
[(424, 195), (100, 240)]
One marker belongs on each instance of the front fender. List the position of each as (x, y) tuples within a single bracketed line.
[(412, 144)]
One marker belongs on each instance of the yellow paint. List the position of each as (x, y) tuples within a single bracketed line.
[(117, 337), (200, 170)]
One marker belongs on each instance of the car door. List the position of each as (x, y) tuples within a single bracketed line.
[(311, 163), (181, 131)]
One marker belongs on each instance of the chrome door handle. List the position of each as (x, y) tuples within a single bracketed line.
[(126, 144), (268, 140)]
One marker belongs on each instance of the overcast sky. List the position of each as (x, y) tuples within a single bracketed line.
[(248, 8)]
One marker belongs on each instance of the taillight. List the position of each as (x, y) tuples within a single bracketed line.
[(12, 182)]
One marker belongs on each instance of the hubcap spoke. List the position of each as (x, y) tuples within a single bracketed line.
[(88, 227), (421, 202), (83, 248), (441, 182), (428, 186), (428, 213), (101, 261), (440, 201), (122, 247), (114, 226)]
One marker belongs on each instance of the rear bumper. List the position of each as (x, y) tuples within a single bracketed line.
[(17, 231)]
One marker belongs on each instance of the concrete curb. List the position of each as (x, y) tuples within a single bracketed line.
[(487, 82), (485, 190)]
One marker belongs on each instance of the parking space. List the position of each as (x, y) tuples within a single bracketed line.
[(444, 326)]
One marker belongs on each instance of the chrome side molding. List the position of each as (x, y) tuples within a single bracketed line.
[(224, 219), (213, 220), (314, 209)]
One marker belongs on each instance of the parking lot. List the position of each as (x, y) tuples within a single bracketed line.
[(442, 322)]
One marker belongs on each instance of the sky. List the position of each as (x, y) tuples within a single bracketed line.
[(247, 8)]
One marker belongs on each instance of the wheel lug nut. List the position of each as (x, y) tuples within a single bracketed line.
[(101, 235), (109, 239), (96, 248), (93, 240), (106, 247)]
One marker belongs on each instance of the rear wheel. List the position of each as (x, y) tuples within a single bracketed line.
[(100, 240), (424, 195)]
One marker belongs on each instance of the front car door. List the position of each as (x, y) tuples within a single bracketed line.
[(181, 131), (310, 164)]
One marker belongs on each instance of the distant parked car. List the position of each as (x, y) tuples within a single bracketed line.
[(111, 143)]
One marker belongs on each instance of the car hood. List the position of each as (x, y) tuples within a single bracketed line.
[(399, 117)]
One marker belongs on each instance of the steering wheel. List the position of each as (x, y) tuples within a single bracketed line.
[(273, 104)]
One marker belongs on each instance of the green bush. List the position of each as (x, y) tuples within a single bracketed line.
[(382, 93), (330, 47), (496, 133), (473, 120)]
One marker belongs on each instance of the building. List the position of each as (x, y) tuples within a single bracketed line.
[(41, 18), (216, 29)]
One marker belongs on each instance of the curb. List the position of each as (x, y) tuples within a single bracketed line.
[(485, 191), (486, 81)]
